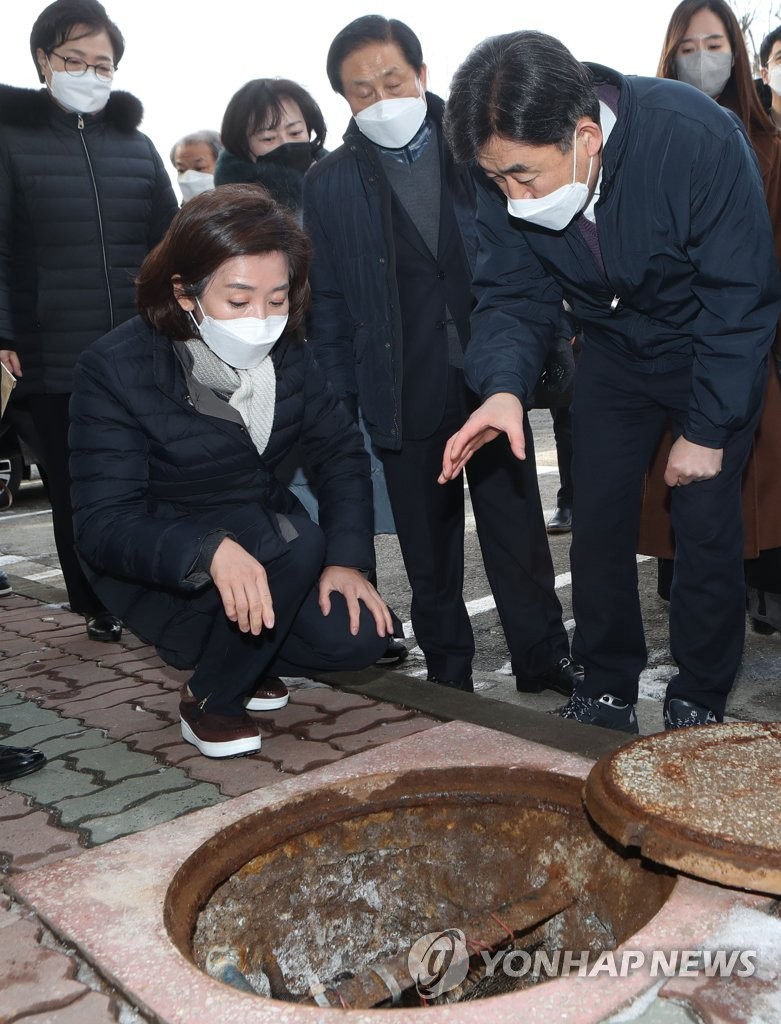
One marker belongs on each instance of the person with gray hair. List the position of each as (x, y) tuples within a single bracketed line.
[(195, 156), (640, 203)]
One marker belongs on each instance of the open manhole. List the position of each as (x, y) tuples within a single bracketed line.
[(321, 901)]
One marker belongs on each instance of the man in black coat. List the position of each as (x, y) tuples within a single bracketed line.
[(392, 222), (83, 197), (640, 202)]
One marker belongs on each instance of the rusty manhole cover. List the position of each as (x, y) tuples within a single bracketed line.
[(704, 800)]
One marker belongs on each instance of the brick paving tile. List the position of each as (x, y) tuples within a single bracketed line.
[(295, 755), (12, 805), (40, 685), (330, 700), (152, 812), (21, 715), (32, 737), (89, 650), (48, 689), (355, 720), (118, 799), (158, 742), (8, 648), (174, 753), (35, 979), (19, 611), (113, 762), (289, 718), (234, 775), (31, 840), (32, 664), (107, 695), (43, 630), (86, 673), (164, 704), (145, 655), (123, 721), (71, 743), (169, 677), (55, 781), (92, 1008), (383, 733), (128, 664)]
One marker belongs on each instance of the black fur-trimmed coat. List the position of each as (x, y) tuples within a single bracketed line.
[(83, 198)]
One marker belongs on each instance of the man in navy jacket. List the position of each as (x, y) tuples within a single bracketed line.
[(391, 218), (639, 201)]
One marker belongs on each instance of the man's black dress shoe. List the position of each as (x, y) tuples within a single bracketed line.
[(106, 628), (18, 761), (562, 677), (560, 521), (393, 654), (455, 684)]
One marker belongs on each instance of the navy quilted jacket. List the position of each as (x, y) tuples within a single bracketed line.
[(690, 277), (152, 475), (83, 198)]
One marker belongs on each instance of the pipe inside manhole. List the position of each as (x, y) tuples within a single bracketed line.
[(319, 900)]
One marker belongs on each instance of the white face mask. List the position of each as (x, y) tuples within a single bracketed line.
[(559, 207), (774, 79), (192, 183), (392, 123), (709, 72), (242, 343), (86, 94)]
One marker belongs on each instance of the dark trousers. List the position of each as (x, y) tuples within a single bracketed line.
[(562, 432), (619, 415), (229, 664), (429, 521), (49, 419)]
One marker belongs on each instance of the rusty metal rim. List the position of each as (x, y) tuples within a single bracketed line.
[(671, 841), (232, 847)]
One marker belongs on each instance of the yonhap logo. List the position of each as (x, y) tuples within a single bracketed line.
[(438, 962)]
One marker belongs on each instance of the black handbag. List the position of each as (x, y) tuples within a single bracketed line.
[(554, 385)]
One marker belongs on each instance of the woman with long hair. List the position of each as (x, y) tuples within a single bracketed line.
[(704, 47)]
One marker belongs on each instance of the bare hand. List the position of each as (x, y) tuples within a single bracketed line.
[(688, 462), (243, 586), (10, 361), (500, 414), (354, 587)]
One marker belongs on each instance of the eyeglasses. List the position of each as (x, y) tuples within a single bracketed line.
[(76, 67)]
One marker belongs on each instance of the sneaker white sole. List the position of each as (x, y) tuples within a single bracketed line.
[(230, 748), (267, 703)]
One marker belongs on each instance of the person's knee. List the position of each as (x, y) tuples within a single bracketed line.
[(349, 651)]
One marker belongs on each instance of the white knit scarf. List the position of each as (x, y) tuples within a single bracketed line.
[(252, 392)]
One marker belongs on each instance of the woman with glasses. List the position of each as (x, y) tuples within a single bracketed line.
[(704, 47), (179, 420), (83, 197)]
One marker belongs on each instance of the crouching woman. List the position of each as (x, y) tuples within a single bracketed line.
[(178, 420)]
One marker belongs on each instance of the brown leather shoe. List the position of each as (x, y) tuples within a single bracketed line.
[(216, 735), (270, 694)]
